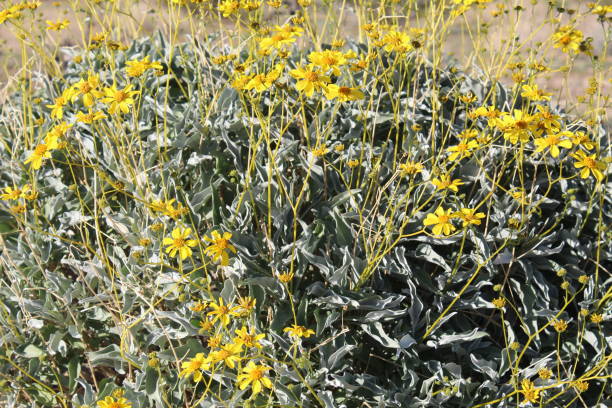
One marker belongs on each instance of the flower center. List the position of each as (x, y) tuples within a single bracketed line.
[(311, 76), (256, 374), (40, 149), (443, 219), (344, 90), (521, 124), (222, 243), (179, 242), (590, 163), (120, 96), (85, 88)]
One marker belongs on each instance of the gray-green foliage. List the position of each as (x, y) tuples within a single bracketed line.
[(83, 303)]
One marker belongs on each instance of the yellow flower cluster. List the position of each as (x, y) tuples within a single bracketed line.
[(242, 346)]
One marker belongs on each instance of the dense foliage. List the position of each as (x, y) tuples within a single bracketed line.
[(423, 242)]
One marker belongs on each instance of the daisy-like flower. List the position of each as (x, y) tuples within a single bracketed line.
[(195, 367), (445, 182), (88, 88), (397, 41), (43, 151), (220, 245), (309, 79), (179, 244), (228, 7), (410, 168), (228, 354), (441, 220), (470, 216), (534, 93), (248, 338), (136, 68), (110, 402), (580, 139), (560, 325), (544, 373), (499, 302), (57, 107), (11, 193), (517, 127), (342, 93), (255, 376), (530, 393), (589, 165), (297, 331), (90, 117), (119, 100), (328, 60), (568, 39), (222, 312), (245, 306), (259, 82), (285, 277), (552, 142), (463, 149), (57, 25)]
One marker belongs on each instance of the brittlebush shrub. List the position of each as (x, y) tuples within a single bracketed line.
[(182, 226)]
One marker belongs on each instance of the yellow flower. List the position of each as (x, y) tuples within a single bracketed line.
[(205, 326), (222, 312), (581, 139), (532, 92), (397, 41), (259, 82), (58, 25), (110, 402), (583, 279), (441, 220), (470, 216), (88, 88), (568, 39), (517, 127), (445, 182), (248, 338), (298, 331), (560, 326), (410, 168), (179, 243), (11, 193), (90, 117), (228, 354), (285, 35), (309, 79), (544, 373), (343, 93), (119, 100), (255, 376), (285, 277), (328, 60), (597, 318), (463, 149), (499, 302), (552, 143), (589, 165), (43, 151), (220, 246), (245, 305), (581, 386), (530, 393), (136, 68), (57, 108), (228, 7), (195, 366)]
